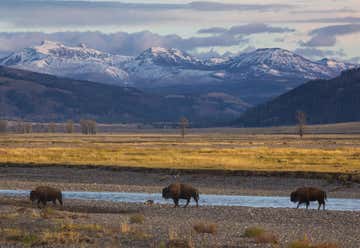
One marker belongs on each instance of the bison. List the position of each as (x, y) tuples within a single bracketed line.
[(45, 194), (308, 194), (178, 191)]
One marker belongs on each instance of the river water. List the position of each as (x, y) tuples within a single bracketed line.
[(205, 199)]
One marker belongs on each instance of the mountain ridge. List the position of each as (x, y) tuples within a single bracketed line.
[(323, 101), (58, 59)]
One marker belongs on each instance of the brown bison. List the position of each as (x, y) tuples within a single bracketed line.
[(178, 191), (308, 194), (45, 194)]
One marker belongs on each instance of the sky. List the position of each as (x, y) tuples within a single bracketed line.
[(314, 29)]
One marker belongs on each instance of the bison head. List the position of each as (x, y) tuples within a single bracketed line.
[(33, 195), (294, 197), (166, 193)]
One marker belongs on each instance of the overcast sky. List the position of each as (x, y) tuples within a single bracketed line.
[(322, 28)]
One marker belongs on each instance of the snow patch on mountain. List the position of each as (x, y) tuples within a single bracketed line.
[(167, 57), (279, 62), (336, 65), (77, 62), (161, 66)]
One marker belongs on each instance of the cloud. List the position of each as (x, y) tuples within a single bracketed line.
[(314, 53), (118, 43), (213, 30), (217, 6), (252, 28), (195, 5), (30, 13), (324, 11), (256, 28), (347, 19), (326, 36)]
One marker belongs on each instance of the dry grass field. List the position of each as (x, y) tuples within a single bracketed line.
[(215, 149)]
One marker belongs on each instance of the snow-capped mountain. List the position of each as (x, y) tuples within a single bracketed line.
[(168, 57), (75, 62), (280, 63), (158, 67)]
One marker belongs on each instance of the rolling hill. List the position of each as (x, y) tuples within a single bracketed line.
[(323, 101), (41, 97)]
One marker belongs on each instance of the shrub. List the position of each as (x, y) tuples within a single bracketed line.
[(267, 237), (326, 245), (355, 178), (307, 244), (12, 234), (137, 219), (343, 179), (329, 178), (65, 237), (253, 232), (137, 234), (180, 243), (30, 239), (124, 228), (300, 244), (205, 228), (47, 212)]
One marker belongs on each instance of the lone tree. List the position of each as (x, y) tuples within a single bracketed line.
[(301, 122), (69, 126), (52, 127), (88, 126), (3, 126), (20, 126), (28, 127), (184, 123)]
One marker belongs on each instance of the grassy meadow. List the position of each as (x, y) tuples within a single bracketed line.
[(199, 150)]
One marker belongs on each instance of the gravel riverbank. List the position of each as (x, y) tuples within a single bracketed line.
[(162, 222)]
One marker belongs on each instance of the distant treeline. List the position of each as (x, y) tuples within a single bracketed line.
[(19, 126)]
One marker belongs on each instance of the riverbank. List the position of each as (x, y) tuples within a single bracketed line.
[(94, 223), (97, 179)]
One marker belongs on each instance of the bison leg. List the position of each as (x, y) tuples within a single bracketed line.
[(187, 203), (176, 201), (307, 205), (38, 203), (60, 200), (321, 203), (298, 205), (197, 201), (54, 201)]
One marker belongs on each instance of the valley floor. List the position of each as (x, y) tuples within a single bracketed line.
[(107, 224)]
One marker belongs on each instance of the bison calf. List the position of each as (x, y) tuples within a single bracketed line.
[(308, 194), (45, 194), (178, 191)]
